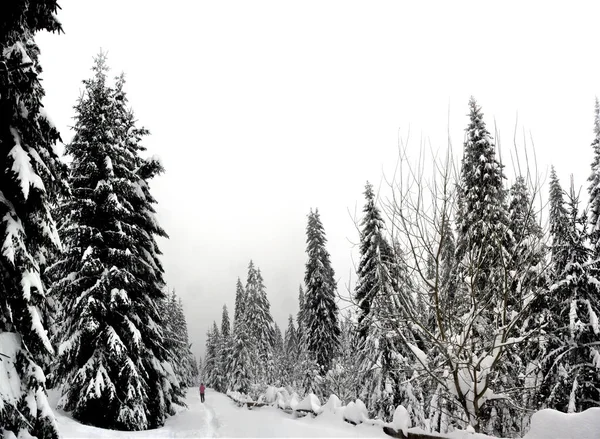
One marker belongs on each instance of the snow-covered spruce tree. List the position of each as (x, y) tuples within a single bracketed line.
[(384, 334), (112, 364), (265, 335), (528, 281), (252, 322), (260, 327), (373, 247), (466, 347), (483, 239), (225, 349), (594, 187), (301, 379), (320, 321), (572, 366), (546, 308), (300, 315), (31, 178), (278, 356), (290, 355), (176, 340), (242, 358), (483, 251), (240, 300), (212, 372), (343, 379)]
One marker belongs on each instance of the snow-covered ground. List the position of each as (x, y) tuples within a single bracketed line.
[(220, 417)]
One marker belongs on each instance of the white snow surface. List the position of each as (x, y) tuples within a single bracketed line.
[(219, 416), (356, 412), (311, 403), (401, 420), (10, 383), (552, 424)]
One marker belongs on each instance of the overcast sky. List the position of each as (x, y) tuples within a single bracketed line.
[(261, 110)]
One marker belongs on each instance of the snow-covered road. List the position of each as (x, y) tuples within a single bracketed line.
[(220, 417)]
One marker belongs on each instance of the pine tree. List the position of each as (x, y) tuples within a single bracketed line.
[(290, 364), (381, 294), (484, 245), (344, 378), (242, 358), (260, 327), (527, 273), (278, 356), (176, 340), (213, 375), (300, 315), (572, 368), (265, 336), (112, 365), (31, 180), (559, 226), (252, 323), (240, 300), (594, 187), (482, 218), (320, 320), (225, 349)]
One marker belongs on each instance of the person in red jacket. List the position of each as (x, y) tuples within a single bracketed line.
[(202, 388)]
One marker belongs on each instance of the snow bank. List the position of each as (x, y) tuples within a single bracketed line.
[(270, 395), (310, 404), (333, 405), (356, 412), (294, 401), (549, 423)]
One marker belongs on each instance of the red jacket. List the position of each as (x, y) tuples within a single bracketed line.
[(202, 388)]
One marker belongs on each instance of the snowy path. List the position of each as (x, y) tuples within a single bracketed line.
[(198, 420), (220, 417)]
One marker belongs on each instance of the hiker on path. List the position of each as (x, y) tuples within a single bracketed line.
[(202, 388)]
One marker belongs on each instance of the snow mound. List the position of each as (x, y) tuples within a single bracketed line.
[(332, 405), (401, 420), (356, 412), (294, 401), (270, 395), (310, 404), (363, 408), (548, 423)]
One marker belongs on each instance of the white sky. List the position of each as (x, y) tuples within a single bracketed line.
[(261, 110)]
